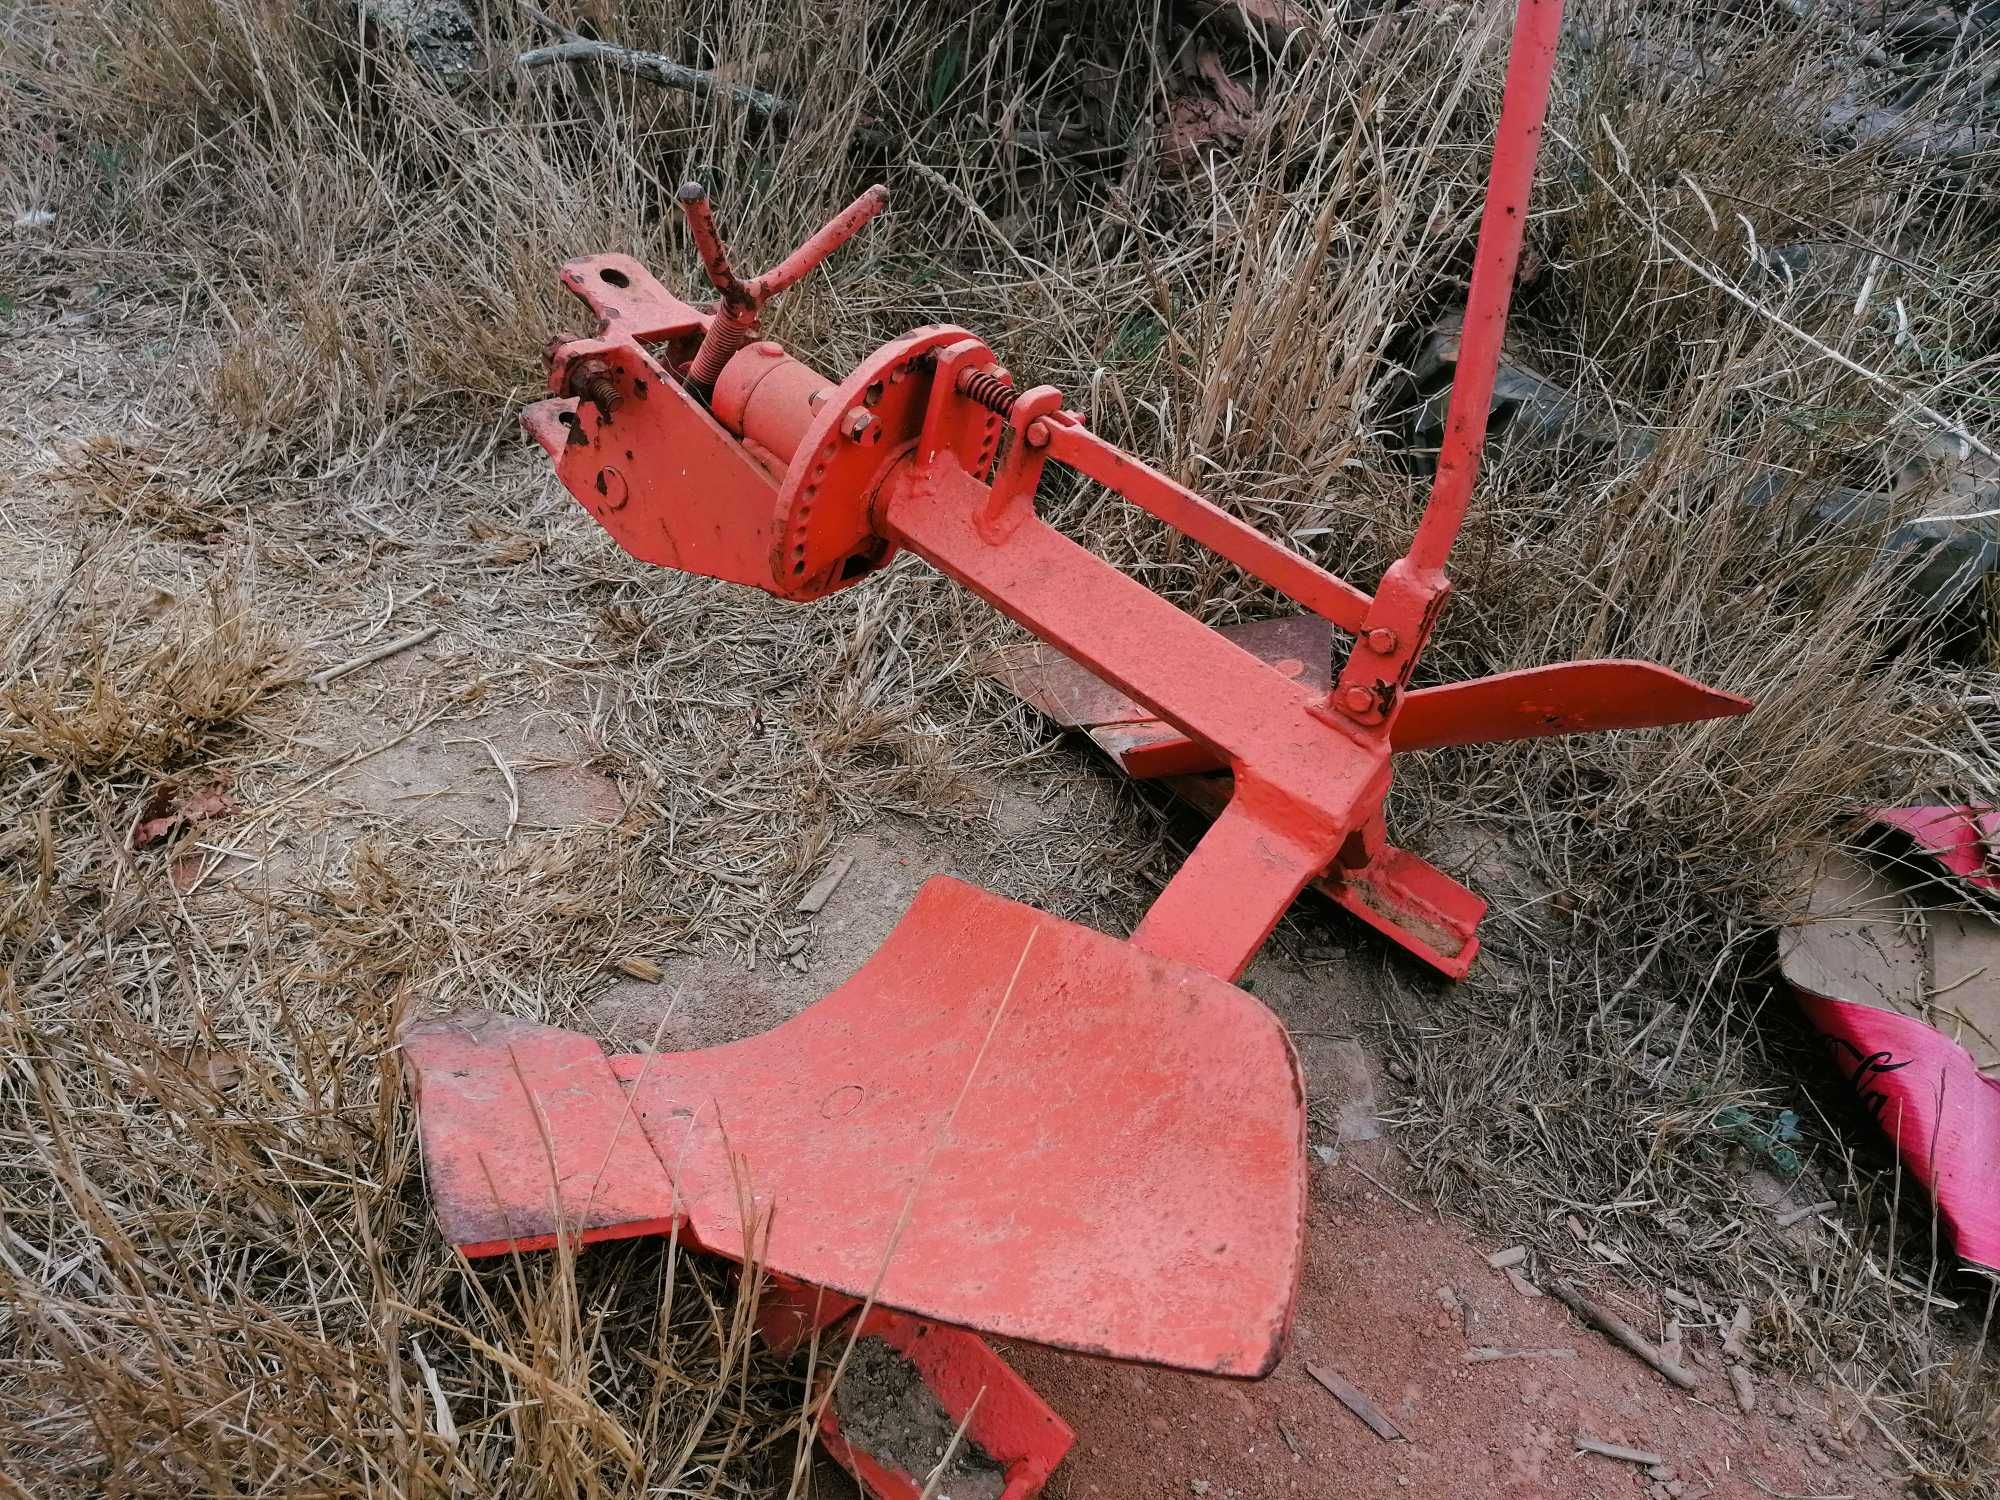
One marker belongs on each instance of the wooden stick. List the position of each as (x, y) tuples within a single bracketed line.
[(822, 888), (1620, 1332), (664, 71), (1744, 1386), (382, 652), (1351, 1398), (656, 68), (1619, 1451), (1480, 1354), (1733, 1346)]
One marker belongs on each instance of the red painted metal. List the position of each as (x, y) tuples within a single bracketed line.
[(1572, 697), (1401, 896), (908, 1136), (1302, 782), (1575, 697), (1100, 1149), (1298, 647), (735, 320), (1523, 107), (1295, 576), (769, 399), (1406, 603), (712, 489), (1001, 1412)]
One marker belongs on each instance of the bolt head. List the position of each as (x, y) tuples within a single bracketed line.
[(1381, 640), (1037, 435), (862, 427), (1357, 699)]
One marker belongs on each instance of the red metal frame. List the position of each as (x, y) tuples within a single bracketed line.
[(700, 448)]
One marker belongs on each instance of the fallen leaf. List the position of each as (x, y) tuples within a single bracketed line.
[(217, 1069), (164, 816)]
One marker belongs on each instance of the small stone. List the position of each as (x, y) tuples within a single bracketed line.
[(1198, 1486), (439, 35)]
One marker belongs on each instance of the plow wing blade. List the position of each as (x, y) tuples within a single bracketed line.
[(1572, 697), (1003, 1121)]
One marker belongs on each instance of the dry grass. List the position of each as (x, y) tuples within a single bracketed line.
[(318, 283)]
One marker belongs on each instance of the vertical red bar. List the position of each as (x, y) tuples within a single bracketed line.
[(1523, 107)]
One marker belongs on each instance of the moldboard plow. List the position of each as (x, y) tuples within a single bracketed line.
[(1005, 1123)]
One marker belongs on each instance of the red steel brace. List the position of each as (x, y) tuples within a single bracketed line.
[(1005, 1122)]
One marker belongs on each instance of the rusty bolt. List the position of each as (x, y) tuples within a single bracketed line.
[(1037, 434), (593, 380), (601, 391), (862, 427), (1357, 699), (1381, 640)]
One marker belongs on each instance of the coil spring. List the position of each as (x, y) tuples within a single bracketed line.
[(990, 388), (728, 331)]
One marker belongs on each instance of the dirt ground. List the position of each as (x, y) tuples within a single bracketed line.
[(1394, 1301)]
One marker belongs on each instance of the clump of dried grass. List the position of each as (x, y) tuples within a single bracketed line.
[(360, 260), (115, 479), (126, 682), (215, 1252)]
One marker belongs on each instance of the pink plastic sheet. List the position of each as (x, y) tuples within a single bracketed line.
[(1960, 838), (1909, 1007)]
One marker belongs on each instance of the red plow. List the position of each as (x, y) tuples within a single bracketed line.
[(1005, 1123)]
